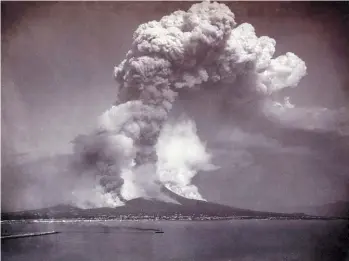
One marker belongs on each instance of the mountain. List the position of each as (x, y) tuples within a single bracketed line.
[(338, 209), (140, 207), (144, 207)]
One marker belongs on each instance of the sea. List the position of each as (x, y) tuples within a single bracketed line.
[(240, 240)]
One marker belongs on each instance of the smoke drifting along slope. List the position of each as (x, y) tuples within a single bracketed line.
[(132, 154)]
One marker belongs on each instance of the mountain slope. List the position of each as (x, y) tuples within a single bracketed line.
[(143, 207), (338, 208)]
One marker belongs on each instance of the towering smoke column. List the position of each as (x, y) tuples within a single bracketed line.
[(181, 154), (200, 47)]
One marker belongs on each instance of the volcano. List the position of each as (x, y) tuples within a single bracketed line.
[(141, 207)]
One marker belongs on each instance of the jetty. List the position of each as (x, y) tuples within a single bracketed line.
[(29, 235)]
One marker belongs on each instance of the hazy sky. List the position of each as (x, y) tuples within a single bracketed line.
[(57, 78)]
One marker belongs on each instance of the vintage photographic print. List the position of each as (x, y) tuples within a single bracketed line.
[(174, 131)]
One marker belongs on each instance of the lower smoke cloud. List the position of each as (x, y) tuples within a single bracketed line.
[(136, 149), (180, 155), (310, 118)]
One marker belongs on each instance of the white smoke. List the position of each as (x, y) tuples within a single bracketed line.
[(94, 196), (181, 154), (202, 47), (310, 118)]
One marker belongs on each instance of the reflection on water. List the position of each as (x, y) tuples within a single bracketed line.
[(253, 240)]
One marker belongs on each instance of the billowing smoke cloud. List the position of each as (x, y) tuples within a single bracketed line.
[(134, 151), (310, 118), (180, 155)]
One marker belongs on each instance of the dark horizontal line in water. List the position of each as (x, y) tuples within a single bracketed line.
[(29, 235), (81, 231), (106, 230)]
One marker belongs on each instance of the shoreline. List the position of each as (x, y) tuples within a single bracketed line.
[(72, 220)]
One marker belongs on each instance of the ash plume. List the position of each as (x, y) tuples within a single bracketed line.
[(310, 118), (180, 155), (134, 151)]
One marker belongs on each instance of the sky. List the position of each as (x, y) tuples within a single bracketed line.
[(57, 79)]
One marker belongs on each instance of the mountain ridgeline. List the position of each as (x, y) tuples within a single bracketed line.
[(145, 208)]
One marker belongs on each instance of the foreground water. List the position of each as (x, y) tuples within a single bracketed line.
[(243, 240)]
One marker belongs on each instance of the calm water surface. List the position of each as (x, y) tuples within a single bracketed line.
[(243, 240)]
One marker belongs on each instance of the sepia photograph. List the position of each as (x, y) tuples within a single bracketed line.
[(175, 130)]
